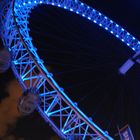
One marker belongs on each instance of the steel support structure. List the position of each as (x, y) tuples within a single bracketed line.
[(63, 115)]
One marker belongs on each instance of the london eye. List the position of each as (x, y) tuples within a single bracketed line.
[(48, 73)]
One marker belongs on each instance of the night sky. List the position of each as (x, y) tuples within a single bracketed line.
[(84, 60)]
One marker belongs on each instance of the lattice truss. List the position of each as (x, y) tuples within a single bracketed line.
[(64, 116)]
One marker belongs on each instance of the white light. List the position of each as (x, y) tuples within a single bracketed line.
[(89, 18), (83, 15), (105, 17), (71, 9), (95, 21), (24, 3), (117, 25), (65, 7), (111, 32), (77, 12), (29, 2), (40, 1), (122, 29), (117, 36), (128, 44), (134, 38), (106, 28), (100, 14), (19, 6), (100, 24), (52, 3), (133, 49), (111, 21), (59, 5), (128, 33), (82, 4), (34, 1), (122, 40)]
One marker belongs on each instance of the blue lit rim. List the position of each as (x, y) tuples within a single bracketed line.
[(31, 72)]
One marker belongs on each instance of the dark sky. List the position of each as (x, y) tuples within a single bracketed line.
[(85, 60)]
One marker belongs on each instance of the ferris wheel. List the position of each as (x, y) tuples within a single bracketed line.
[(41, 89)]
